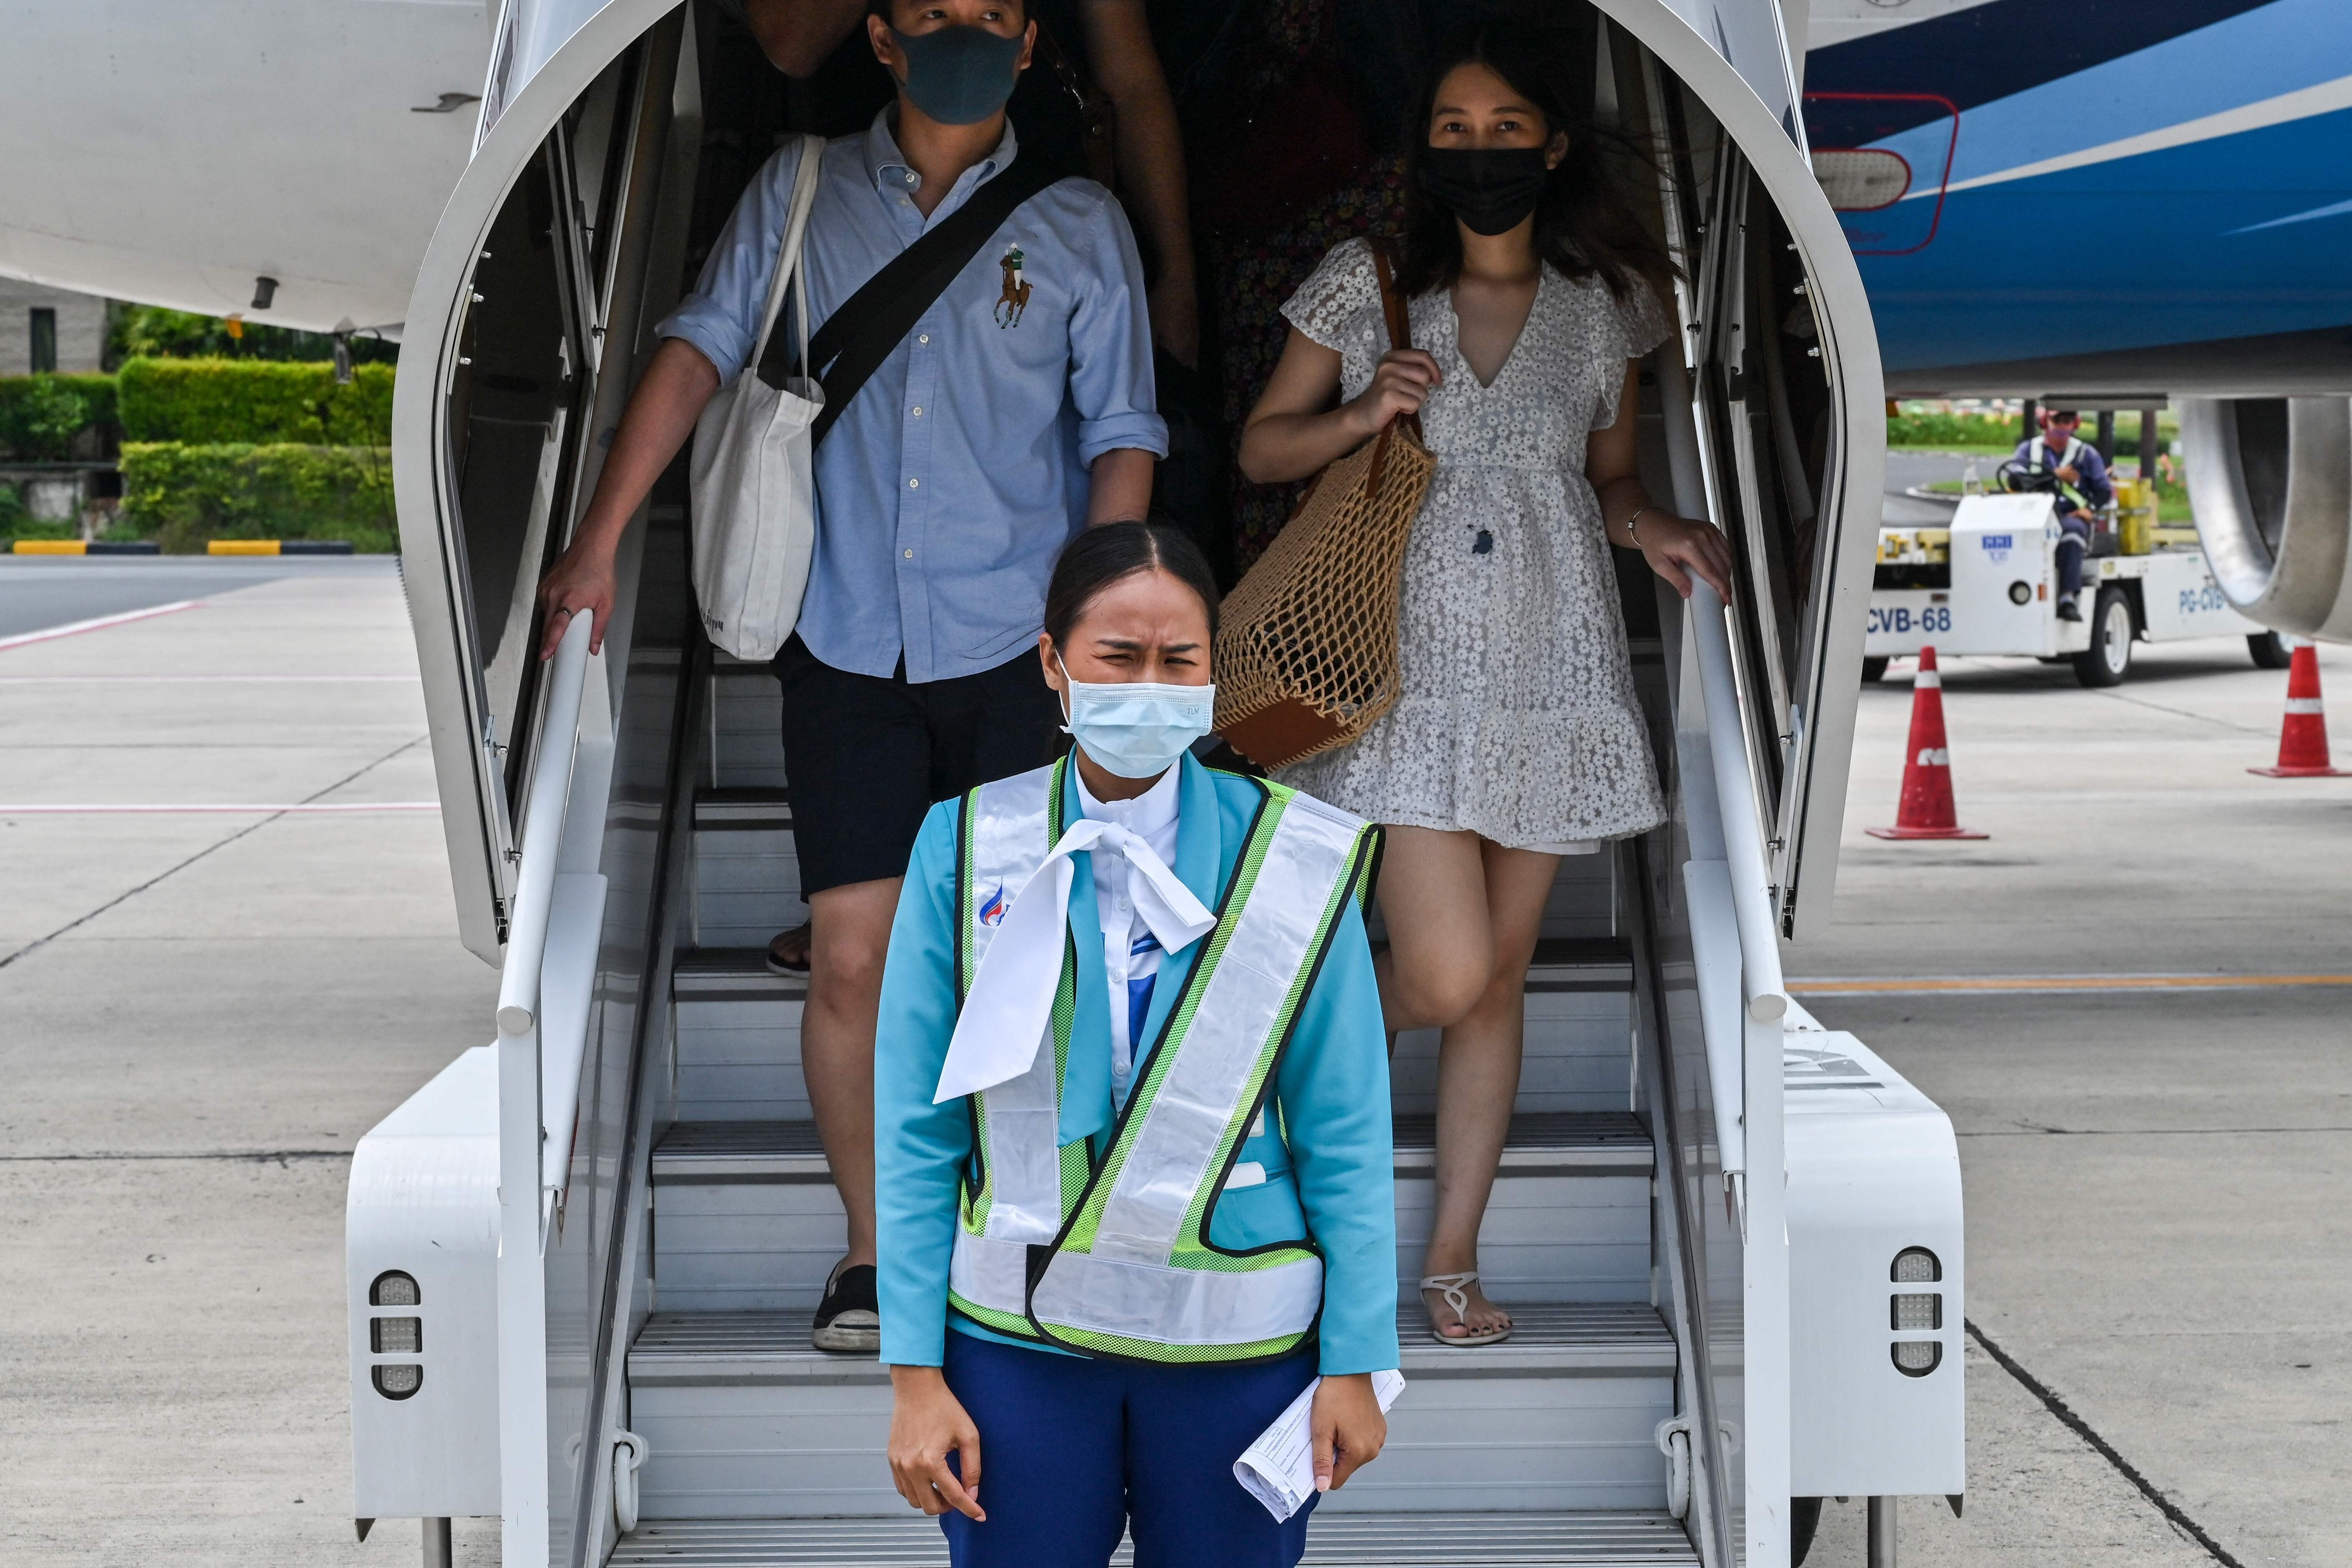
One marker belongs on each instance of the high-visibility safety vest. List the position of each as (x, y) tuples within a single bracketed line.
[(2039, 448), (1113, 1256)]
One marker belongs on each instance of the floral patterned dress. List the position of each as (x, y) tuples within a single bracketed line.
[(1519, 719)]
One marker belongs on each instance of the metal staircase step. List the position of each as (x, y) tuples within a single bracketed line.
[(731, 1152), (1600, 1142), (1549, 1339), (1608, 1142), (746, 1217), (747, 865), (745, 1417), (732, 974), (745, 740), (1578, 1051), (739, 1036), (1554, 1539), (739, 1024), (764, 808)]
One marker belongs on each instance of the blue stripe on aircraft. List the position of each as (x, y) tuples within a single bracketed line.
[(2000, 49), (2180, 246), (2333, 209), (2280, 49)]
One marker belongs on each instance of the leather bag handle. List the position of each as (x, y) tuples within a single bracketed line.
[(1400, 323)]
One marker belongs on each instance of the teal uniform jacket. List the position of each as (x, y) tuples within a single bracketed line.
[(1326, 1148)]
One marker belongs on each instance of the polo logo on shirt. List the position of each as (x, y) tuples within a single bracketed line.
[(991, 912), (1016, 298)]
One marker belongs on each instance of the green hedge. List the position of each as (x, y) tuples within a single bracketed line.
[(1952, 430), (268, 402), (41, 415), (184, 495)]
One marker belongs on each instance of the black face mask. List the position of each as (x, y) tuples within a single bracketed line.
[(1489, 189)]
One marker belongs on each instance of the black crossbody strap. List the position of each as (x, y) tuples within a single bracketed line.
[(871, 323)]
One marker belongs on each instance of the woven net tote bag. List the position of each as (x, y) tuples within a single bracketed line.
[(1307, 650)]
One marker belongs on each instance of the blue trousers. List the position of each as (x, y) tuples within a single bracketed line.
[(2074, 538), (1072, 1449)]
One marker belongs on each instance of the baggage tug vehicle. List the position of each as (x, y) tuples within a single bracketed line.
[(582, 1260), (1988, 584)]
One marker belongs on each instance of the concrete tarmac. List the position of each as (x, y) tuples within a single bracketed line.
[(204, 1012), (39, 591), (2156, 1177)]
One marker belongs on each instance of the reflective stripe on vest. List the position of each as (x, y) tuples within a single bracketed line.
[(1127, 1268), (2060, 459), (1006, 829)]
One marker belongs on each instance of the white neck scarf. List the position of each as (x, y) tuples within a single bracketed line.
[(1010, 1004)]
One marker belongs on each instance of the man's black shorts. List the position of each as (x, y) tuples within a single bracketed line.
[(867, 757)]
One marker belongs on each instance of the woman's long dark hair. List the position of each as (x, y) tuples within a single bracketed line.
[(1096, 557), (1585, 227)]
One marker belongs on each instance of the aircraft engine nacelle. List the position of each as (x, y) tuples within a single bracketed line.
[(2270, 480)]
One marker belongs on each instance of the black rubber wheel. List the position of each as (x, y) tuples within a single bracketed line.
[(2106, 660), (1804, 1518), (2269, 651), (1874, 671)]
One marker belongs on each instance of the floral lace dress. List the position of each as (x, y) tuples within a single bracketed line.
[(1519, 719)]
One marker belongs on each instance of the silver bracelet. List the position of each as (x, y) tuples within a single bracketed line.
[(1635, 518)]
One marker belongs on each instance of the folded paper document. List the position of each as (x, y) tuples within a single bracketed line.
[(1279, 1469)]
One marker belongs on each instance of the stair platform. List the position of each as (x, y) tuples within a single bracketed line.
[(1554, 1539)]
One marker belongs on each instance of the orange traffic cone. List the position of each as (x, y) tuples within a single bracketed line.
[(2302, 734), (1925, 810)]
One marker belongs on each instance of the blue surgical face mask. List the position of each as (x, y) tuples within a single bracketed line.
[(1136, 729), (959, 75)]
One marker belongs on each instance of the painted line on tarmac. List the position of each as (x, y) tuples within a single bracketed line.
[(2013, 985), (241, 1156), (87, 810), (250, 828), (2107, 1451), (2140, 1131), (178, 679), (75, 628)]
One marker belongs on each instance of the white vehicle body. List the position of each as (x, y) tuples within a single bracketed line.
[(2002, 594)]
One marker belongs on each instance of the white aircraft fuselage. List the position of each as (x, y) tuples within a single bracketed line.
[(172, 152)]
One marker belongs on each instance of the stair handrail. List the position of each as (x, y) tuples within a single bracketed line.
[(542, 833), (1765, 993), (524, 1206)]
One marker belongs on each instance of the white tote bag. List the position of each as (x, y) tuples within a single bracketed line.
[(754, 493)]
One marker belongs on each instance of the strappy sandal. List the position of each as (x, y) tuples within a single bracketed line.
[(1455, 1289)]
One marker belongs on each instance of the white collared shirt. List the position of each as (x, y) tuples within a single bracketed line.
[(1131, 956)]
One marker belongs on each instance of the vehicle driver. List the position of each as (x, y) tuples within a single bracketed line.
[(2080, 475)]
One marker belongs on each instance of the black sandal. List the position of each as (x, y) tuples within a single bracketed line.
[(849, 1317), (777, 963)]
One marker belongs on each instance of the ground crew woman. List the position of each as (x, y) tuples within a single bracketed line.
[(1131, 1116)]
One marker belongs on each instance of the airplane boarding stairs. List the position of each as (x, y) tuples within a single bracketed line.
[(760, 1449)]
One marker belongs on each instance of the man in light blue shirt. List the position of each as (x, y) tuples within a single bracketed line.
[(1019, 409), (946, 488)]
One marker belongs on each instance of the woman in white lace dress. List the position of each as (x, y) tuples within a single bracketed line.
[(1517, 738)]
